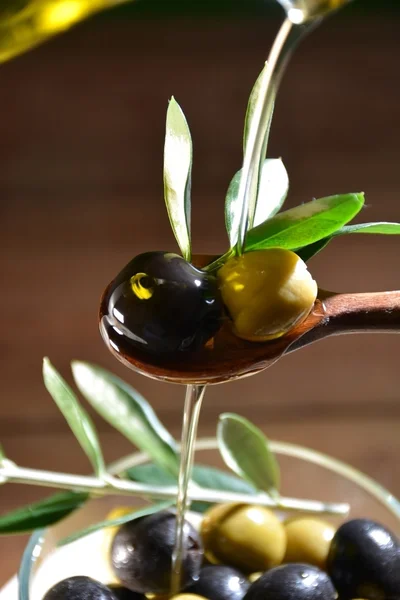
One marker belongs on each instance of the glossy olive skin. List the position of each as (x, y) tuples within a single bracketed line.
[(142, 549), (220, 583), (250, 538), (292, 582), (267, 293), (308, 541), (159, 303), (364, 561), (79, 588)]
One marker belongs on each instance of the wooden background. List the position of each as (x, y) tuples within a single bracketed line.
[(81, 124)]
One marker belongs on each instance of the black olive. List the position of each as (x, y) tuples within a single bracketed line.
[(79, 588), (141, 553), (159, 303), (294, 581), (364, 561), (220, 583)]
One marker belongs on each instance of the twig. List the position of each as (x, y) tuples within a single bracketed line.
[(110, 485)]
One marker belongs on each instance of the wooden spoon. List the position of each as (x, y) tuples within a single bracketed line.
[(227, 357)]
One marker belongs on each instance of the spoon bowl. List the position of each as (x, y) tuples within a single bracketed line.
[(227, 357)]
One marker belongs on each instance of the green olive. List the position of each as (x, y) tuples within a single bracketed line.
[(255, 576), (266, 292), (308, 541), (250, 538), (187, 597)]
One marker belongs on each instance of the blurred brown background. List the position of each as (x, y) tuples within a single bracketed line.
[(81, 129)]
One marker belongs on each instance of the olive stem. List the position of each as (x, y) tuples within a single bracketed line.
[(110, 485), (219, 262)]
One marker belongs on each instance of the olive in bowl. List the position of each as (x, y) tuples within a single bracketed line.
[(308, 541), (250, 538), (141, 553), (79, 587), (364, 561), (294, 581), (220, 582)]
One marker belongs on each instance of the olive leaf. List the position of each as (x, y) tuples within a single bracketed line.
[(371, 228), (246, 451), (177, 175), (117, 522), (2, 458), (251, 107), (305, 224), (272, 193), (204, 476), (41, 514), (233, 205), (76, 417), (128, 412), (383, 228)]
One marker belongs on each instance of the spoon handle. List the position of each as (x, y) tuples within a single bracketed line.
[(369, 313), (339, 314)]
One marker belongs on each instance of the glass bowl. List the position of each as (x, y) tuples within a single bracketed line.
[(305, 474)]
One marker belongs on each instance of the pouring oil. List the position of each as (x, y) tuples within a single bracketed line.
[(26, 23)]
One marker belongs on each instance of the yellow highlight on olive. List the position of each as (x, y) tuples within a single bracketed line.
[(141, 291)]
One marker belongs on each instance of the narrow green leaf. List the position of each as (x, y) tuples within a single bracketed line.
[(251, 106), (204, 476), (41, 514), (273, 190), (151, 473), (76, 417), (177, 175), (2, 458), (245, 450), (233, 206), (215, 479), (136, 514), (383, 228), (272, 193), (372, 228), (126, 410), (305, 224)]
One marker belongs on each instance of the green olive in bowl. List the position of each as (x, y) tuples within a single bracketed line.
[(308, 541), (250, 538)]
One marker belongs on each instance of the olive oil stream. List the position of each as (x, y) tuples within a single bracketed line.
[(26, 23), (307, 14), (191, 414)]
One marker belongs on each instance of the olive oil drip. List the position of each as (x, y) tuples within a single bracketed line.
[(191, 414)]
